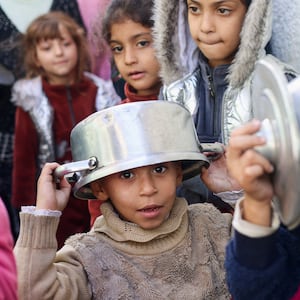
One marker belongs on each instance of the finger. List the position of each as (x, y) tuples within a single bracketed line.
[(254, 171), (243, 142), (248, 128), (252, 157), (64, 184)]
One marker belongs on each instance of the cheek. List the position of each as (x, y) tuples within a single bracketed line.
[(75, 55), (119, 62), (193, 27)]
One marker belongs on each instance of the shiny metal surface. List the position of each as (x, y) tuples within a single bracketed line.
[(132, 135), (276, 103)]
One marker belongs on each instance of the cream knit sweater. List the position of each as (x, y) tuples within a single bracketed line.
[(183, 259)]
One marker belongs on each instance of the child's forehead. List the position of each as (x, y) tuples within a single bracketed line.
[(153, 166), (52, 32), (217, 2), (133, 30)]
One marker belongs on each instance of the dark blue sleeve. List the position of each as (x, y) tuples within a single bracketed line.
[(263, 268)]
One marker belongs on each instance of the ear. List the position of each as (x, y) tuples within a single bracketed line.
[(98, 191)]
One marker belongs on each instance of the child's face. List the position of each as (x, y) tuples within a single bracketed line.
[(132, 48), (215, 26), (145, 195), (58, 57)]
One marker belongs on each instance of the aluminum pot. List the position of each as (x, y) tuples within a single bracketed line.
[(129, 136), (276, 102)]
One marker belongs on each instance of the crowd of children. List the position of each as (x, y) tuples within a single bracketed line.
[(148, 233)]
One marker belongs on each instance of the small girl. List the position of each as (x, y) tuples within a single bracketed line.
[(56, 95), (127, 28)]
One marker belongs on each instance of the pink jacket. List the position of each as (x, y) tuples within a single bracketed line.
[(8, 272), (101, 53), (297, 295)]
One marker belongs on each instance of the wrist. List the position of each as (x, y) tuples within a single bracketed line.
[(257, 212)]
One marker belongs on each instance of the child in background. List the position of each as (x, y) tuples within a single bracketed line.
[(127, 28), (207, 51), (56, 95), (8, 272), (148, 244), (262, 259)]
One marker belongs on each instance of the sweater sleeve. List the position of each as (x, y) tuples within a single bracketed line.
[(44, 273), (8, 273)]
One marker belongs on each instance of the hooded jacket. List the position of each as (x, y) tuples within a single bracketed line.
[(219, 98)]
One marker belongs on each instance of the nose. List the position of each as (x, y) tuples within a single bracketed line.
[(147, 185), (58, 49), (129, 56), (207, 22)]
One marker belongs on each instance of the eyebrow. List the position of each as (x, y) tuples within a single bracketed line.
[(216, 2), (134, 37)]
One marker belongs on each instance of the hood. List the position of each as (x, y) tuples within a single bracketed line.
[(285, 41), (179, 55), (25, 92)]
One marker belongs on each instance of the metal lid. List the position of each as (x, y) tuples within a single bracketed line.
[(276, 103), (133, 135)]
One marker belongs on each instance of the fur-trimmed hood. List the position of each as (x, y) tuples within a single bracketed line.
[(179, 55)]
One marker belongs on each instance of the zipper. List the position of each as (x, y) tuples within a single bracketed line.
[(213, 97), (69, 99)]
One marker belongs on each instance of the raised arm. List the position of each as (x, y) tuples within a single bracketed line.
[(43, 274)]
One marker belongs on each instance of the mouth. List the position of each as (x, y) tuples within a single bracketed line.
[(136, 75), (60, 62), (209, 43), (150, 208), (150, 211)]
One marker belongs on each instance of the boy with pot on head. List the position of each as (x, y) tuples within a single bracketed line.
[(207, 51), (148, 244)]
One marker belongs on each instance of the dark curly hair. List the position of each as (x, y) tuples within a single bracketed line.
[(119, 10)]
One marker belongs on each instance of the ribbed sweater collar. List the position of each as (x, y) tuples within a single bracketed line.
[(131, 238), (132, 96)]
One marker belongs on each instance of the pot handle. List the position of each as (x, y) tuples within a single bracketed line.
[(74, 168)]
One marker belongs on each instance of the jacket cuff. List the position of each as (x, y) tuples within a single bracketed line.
[(253, 230)]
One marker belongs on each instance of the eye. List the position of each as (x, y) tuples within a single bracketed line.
[(126, 175), (116, 49), (195, 10), (67, 43), (143, 43), (224, 11), (160, 169), (45, 47)]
